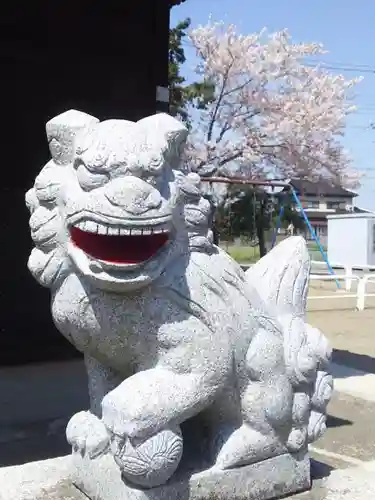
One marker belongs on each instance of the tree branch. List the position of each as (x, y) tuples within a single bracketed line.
[(218, 103), (233, 157)]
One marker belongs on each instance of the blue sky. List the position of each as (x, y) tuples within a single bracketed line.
[(346, 29)]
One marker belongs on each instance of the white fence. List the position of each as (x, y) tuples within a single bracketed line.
[(361, 290), (348, 270), (348, 277)]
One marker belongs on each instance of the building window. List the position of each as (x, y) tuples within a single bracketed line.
[(322, 230), (311, 204), (333, 204)]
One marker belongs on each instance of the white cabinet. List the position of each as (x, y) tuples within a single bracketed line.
[(351, 239)]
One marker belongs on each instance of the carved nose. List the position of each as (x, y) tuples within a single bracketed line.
[(132, 194)]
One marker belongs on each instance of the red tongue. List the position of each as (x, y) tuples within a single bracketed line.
[(118, 249)]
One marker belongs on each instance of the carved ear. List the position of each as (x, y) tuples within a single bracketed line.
[(62, 131), (165, 124), (171, 129)]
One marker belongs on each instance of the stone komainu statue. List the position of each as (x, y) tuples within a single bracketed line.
[(196, 369)]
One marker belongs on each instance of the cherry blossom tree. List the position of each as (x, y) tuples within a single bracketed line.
[(272, 113)]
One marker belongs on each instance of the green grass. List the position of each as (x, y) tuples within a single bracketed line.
[(314, 250), (243, 254), (313, 246), (246, 254)]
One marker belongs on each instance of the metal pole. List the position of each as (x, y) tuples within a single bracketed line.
[(278, 225), (313, 234), (238, 180), (277, 183)]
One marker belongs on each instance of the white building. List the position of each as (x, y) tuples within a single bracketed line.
[(351, 239), (320, 199)]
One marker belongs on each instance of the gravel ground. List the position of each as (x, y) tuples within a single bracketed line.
[(348, 330)]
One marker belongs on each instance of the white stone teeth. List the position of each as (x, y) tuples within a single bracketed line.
[(159, 230), (87, 226), (124, 231), (93, 227), (113, 231), (102, 229), (146, 231), (80, 225)]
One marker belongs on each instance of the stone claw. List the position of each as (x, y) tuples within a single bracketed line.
[(87, 435)]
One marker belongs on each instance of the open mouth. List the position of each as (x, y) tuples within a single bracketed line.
[(118, 244)]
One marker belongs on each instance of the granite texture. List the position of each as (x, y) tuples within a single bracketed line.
[(272, 478), (35, 479), (194, 366), (51, 480)]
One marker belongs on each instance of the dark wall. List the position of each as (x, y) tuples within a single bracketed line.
[(105, 58)]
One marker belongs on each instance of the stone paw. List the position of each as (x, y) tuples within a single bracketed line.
[(87, 435)]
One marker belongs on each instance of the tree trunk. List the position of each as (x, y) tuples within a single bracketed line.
[(215, 233), (260, 229), (213, 224)]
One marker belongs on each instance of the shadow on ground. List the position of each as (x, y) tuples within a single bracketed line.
[(337, 422), (18, 452), (352, 360), (319, 470)]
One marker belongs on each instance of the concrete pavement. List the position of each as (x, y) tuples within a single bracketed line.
[(36, 404), (50, 480)]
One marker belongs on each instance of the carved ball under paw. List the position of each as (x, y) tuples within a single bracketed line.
[(151, 463)]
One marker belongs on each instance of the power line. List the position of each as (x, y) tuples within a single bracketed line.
[(342, 65), (333, 65), (330, 65), (369, 106), (363, 112), (340, 68), (345, 64), (360, 127), (337, 66)]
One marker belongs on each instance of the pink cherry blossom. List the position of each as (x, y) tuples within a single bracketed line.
[(272, 114)]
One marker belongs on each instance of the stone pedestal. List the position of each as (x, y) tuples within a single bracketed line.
[(100, 479)]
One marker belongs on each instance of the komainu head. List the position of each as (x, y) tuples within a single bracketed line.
[(111, 205)]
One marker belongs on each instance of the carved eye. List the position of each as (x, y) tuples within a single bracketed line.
[(145, 165), (88, 179), (85, 142), (95, 158)]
